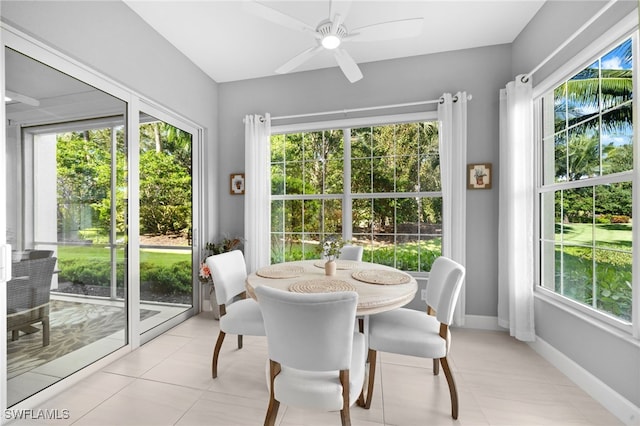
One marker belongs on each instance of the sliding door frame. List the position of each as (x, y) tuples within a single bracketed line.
[(27, 45)]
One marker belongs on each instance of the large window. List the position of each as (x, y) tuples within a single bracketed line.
[(586, 188), (375, 186)]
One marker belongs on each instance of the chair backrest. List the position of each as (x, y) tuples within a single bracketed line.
[(309, 331), (349, 252), (39, 254), (229, 273), (443, 287), (31, 284)]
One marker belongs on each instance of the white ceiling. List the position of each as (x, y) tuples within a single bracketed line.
[(229, 43)]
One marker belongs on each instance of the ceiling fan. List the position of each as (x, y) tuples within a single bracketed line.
[(331, 33)]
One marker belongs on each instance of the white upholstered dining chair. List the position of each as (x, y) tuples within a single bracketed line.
[(350, 252), (426, 335), (316, 358), (238, 315)]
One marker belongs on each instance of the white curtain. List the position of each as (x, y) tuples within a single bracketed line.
[(257, 184), (452, 115), (516, 215)]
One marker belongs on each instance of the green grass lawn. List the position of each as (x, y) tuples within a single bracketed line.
[(96, 252), (611, 235)]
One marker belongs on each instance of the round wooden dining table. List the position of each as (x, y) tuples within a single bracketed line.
[(380, 288)]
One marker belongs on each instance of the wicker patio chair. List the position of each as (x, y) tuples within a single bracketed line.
[(28, 296)]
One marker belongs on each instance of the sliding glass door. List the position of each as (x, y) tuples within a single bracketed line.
[(101, 213), (66, 150), (166, 221)]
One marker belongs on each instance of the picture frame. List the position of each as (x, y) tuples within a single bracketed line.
[(479, 176), (237, 184)]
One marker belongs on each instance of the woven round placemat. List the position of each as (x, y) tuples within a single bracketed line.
[(340, 264), (381, 276), (280, 271), (321, 286)]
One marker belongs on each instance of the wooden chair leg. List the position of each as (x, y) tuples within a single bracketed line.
[(345, 415), (239, 341), (216, 352), (15, 334), (274, 404), (362, 402), (45, 331), (436, 367), (452, 387)]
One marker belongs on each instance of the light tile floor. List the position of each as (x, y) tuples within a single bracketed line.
[(168, 382)]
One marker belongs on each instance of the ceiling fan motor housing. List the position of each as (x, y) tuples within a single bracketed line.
[(324, 29)]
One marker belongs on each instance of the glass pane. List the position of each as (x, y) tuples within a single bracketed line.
[(277, 216), (66, 221), (408, 252), (431, 216), (293, 175), (617, 140), (617, 72), (613, 283), (293, 147), (293, 216), (311, 246), (166, 270), (277, 178), (613, 211), (383, 249), (407, 215), (313, 215), (361, 176), (429, 173), (293, 247), (383, 174), (333, 216), (334, 181), (361, 143), (277, 247), (577, 208), (560, 107), (407, 138), (313, 146), (313, 177), (584, 151), (362, 216), (577, 273), (277, 148), (549, 267), (583, 98), (560, 155), (333, 145), (407, 174)]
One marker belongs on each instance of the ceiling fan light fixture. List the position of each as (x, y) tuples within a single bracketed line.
[(330, 41)]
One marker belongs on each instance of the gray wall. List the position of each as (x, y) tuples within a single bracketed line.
[(481, 72), (110, 38), (611, 357)]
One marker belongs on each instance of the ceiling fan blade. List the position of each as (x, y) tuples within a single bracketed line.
[(391, 30), (347, 65), (299, 59), (275, 16), (338, 11)]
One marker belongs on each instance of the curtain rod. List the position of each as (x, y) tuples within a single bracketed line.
[(346, 111), (573, 36)]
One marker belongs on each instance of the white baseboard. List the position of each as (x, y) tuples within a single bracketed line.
[(482, 322), (623, 409)]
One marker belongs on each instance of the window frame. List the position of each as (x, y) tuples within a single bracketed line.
[(347, 197), (627, 29)]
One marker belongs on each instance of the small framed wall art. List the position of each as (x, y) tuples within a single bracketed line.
[(237, 183), (479, 176)]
